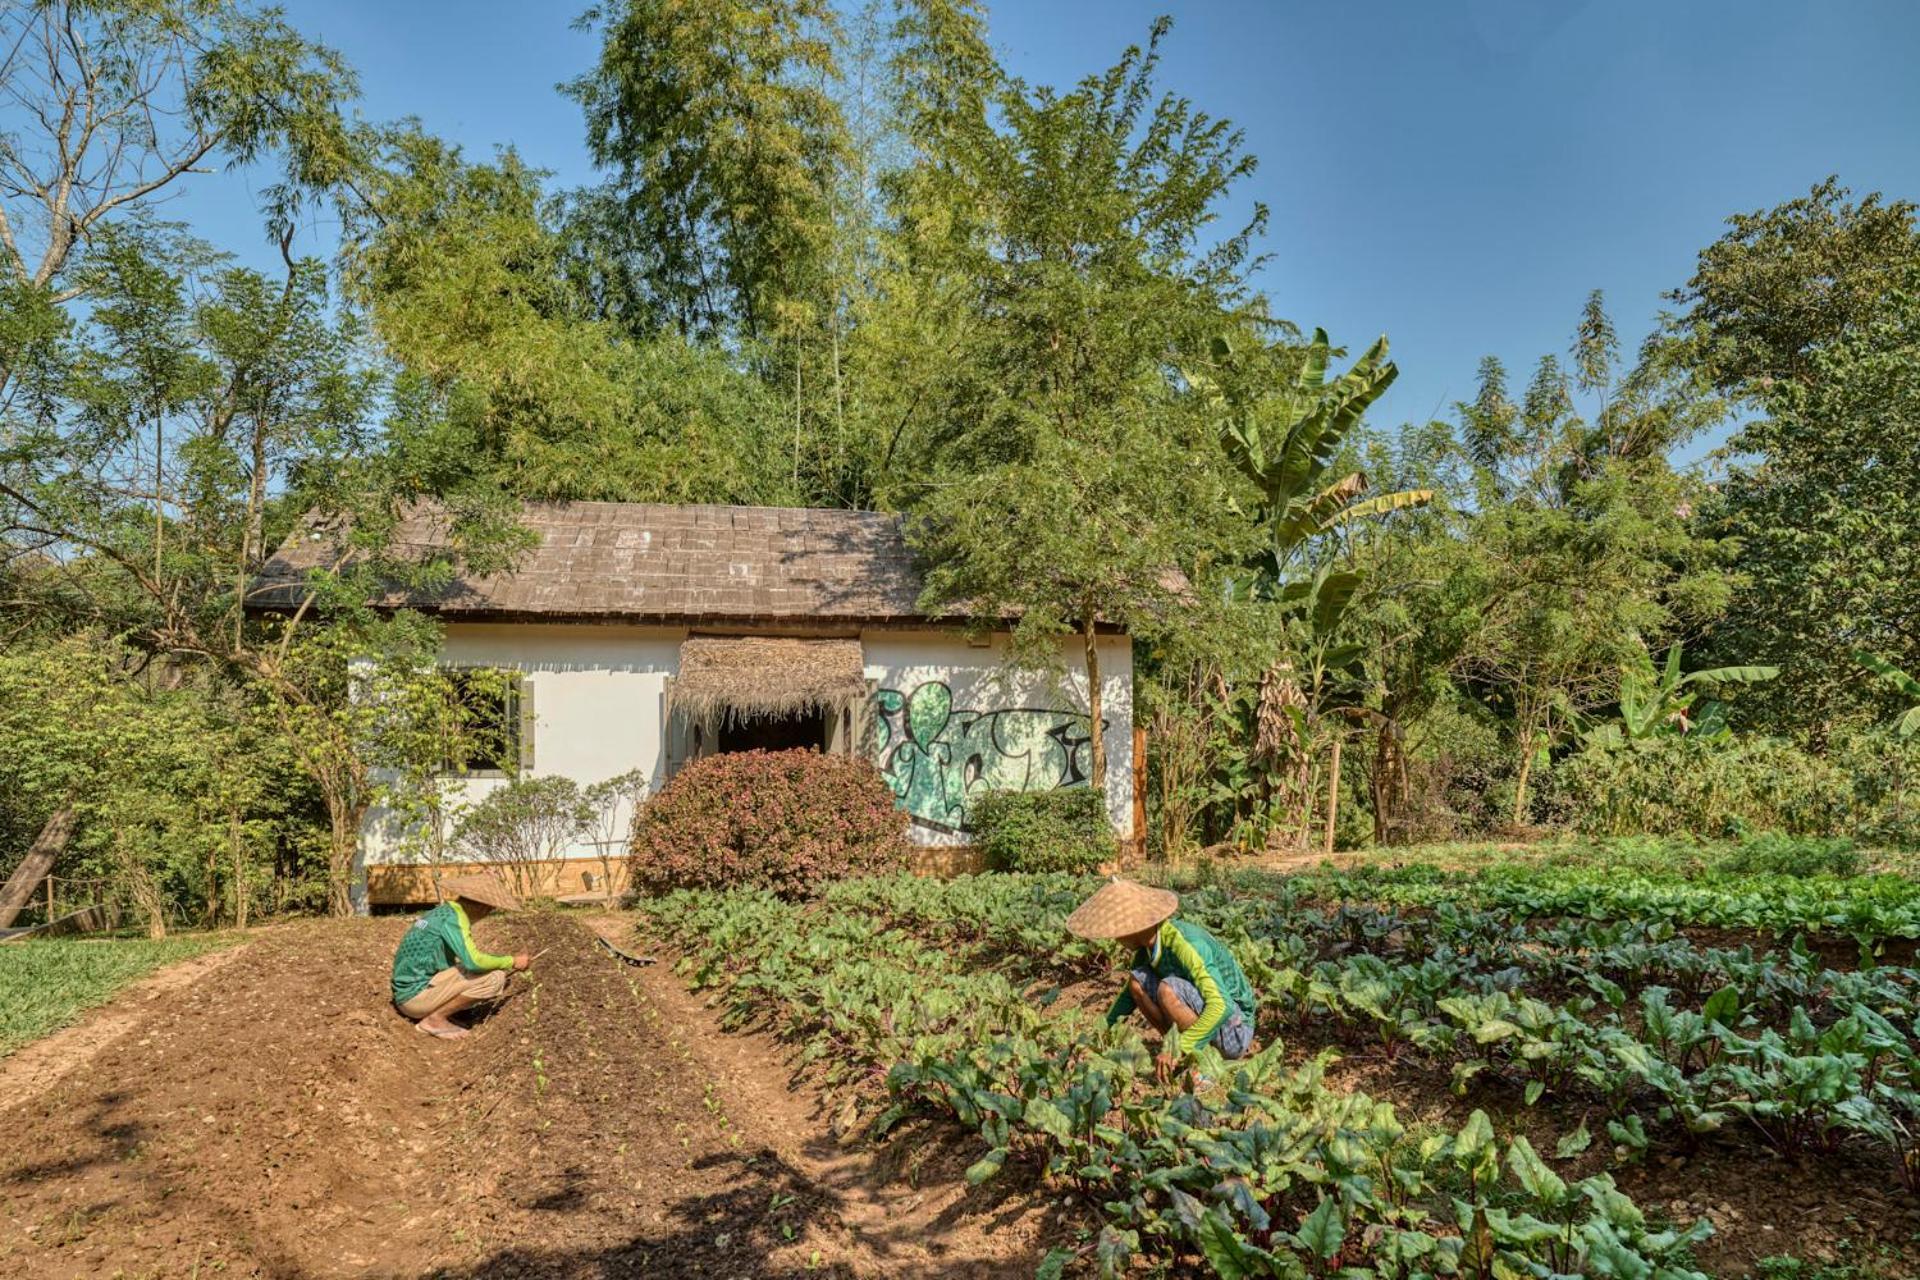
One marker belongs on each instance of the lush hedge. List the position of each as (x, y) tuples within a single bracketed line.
[(781, 820), (1063, 830), (1674, 786)]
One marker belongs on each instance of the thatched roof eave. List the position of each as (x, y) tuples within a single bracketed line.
[(745, 678)]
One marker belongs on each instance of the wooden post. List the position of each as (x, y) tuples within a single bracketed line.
[(1140, 790), (49, 899), (1333, 795), (37, 865)]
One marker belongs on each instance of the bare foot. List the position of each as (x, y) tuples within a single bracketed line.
[(444, 1030)]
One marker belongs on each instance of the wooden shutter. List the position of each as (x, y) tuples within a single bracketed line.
[(673, 733), (865, 718), (523, 701)]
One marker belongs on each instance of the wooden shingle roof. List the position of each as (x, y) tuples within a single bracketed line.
[(652, 562)]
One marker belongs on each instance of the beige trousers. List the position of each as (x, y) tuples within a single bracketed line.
[(449, 983)]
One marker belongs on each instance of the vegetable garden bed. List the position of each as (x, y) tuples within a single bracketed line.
[(1553, 1039)]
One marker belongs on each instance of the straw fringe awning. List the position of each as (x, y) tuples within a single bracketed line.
[(743, 678)]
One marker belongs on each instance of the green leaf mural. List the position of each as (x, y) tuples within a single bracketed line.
[(929, 708), (935, 755)]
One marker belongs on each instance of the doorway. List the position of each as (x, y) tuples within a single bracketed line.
[(775, 733)]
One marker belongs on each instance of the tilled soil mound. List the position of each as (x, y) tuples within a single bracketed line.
[(278, 1119)]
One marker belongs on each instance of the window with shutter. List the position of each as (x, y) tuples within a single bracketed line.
[(495, 736)]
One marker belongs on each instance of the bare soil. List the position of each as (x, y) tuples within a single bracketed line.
[(269, 1115), (275, 1118), (38, 1066)]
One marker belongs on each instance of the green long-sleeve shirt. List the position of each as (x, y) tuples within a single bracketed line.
[(1183, 949), (438, 940)]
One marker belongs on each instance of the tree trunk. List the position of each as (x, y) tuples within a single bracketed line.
[(1333, 795), (1380, 787), (159, 512), (36, 866), (238, 847), (140, 886), (1096, 729), (342, 845), (1520, 785), (252, 534)]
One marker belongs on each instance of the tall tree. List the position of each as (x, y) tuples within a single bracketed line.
[(1806, 314), (1581, 533), (1064, 472), (716, 121), (126, 98), (1827, 514), (111, 106), (1784, 283), (469, 278)]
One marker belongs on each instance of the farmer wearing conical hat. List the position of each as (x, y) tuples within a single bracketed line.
[(438, 971), (1184, 981)]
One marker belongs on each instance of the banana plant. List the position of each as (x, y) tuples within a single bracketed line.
[(1657, 703), (1284, 440), (1907, 724)]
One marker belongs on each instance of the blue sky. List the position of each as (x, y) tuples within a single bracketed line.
[(1457, 174)]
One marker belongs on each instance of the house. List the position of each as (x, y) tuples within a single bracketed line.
[(642, 636)]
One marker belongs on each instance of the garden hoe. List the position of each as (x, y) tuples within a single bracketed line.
[(625, 956)]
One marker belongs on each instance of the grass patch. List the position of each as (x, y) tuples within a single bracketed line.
[(46, 985)]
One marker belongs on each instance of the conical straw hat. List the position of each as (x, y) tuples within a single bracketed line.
[(1122, 907), (485, 890)]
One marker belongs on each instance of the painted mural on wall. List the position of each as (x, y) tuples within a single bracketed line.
[(935, 755)]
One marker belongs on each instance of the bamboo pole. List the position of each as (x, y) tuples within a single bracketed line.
[(1333, 796)]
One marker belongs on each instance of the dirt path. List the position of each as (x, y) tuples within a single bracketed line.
[(274, 1118), (905, 1203), (44, 1063)]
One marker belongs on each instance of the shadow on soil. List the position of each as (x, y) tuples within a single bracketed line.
[(118, 1139), (768, 1207)]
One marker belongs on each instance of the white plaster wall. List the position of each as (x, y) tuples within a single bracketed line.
[(980, 680), (598, 697)]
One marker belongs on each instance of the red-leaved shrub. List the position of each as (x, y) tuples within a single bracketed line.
[(781, 820)]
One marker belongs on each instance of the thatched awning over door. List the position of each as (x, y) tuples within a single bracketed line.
[(739, 678)]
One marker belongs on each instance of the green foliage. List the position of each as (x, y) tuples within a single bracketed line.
[(131, 98), (785, 821), (1908, 723), (1811, 312), (1785, 283), (188, 804), (511, 368), (928, 979), (1658, 703), (1063, 830), (1065, 476), (46, 985), (525, 825), (1676, 785), (1883, 767), (1772, 853), (1285, 434), (724, 141)]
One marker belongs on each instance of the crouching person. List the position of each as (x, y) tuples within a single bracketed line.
[(1184, 981), (437, 969)]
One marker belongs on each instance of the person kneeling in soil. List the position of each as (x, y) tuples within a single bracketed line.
[(1183, 980), (437, 969)]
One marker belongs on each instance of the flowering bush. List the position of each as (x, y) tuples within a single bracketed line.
[(781, 820)]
